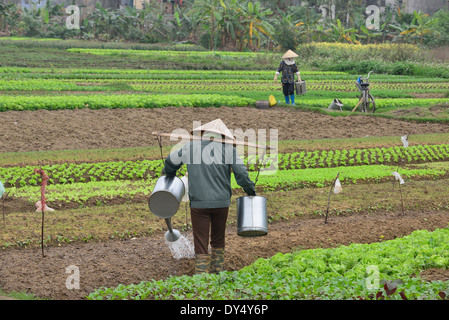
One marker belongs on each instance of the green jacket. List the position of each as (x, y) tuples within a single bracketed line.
[(209, 167)]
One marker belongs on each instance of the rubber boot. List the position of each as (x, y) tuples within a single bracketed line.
[(202, 263), (217, 260), (287, 100), (292, 98)]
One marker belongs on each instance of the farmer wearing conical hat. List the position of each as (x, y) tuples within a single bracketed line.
[(288, 69), (209, 161)]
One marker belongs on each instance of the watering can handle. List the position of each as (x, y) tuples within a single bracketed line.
[(258, 170)]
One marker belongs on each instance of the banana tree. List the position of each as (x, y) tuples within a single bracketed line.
[(307, 27), (210, 11), (398, 34), (130, 17), (151, 19), (286, 34), (6, 11), (368, 34), (255, 22), (184, 24), (341, 34), (231, 24), (99, 19), (189, 20), (420, 26)]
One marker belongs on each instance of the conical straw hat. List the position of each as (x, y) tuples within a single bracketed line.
[(216, 126), (289, 54)]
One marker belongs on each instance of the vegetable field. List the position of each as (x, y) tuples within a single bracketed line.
[(89, 128)]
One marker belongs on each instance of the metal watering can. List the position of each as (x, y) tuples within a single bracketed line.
[(252, 216), (164, 202), (252, 220), (300, 87)]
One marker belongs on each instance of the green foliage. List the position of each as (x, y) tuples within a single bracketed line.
[(85, 192), (68, 186), (72, 173), (286, 34), (120, 101), (68, 173), (325, 175), (241, 25), (441, 26), (335, 273), (349, 104)]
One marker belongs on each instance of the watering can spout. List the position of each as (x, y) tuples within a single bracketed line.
[(171, 235)]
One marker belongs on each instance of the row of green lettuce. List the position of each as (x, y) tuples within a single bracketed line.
[(21, 73), (356, 271), (267, 181), (69, 173), (121, 101), (17, 73), (314, 88)]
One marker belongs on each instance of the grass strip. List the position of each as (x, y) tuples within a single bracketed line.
[(124, 217)]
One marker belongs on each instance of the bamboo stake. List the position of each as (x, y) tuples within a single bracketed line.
[(42, 232), (44, 178), (357, 105), (3, 206), (402, 201)]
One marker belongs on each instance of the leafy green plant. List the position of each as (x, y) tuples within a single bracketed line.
[(120, 101), (334, 273)]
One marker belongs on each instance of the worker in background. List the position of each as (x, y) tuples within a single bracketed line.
[(210, 191), (288, 69)]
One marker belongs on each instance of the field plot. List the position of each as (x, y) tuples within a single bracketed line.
[(90, 130)]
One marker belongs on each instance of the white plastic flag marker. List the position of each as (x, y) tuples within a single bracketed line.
[(337, 187), (398, 177), (38, 206), (404, 140)]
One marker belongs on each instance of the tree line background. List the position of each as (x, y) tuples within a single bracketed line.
[(240, 25)]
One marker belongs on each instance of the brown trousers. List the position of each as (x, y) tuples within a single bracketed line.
[(205, 220)]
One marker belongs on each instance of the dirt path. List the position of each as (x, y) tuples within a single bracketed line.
[(113, 262), (119, 128)]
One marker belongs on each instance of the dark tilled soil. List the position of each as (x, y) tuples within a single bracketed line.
[(112, 263), (120, 128)]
